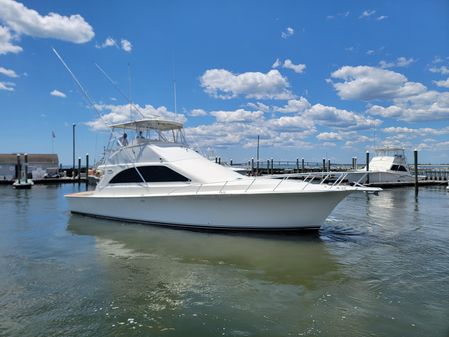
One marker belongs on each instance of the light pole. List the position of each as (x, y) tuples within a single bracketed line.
[(73, 141)]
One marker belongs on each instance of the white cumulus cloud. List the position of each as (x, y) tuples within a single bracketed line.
[(288, 64), (369, 83), (113, 114), (7, 86), (109, 42), (288, 33), (221, 83), (444, 70), (400, 62), (197, 113), (443, 83), (367, 13), (126, 45), (239, 115), (27, 21), (8, 72), (6, 42), (58, 93)]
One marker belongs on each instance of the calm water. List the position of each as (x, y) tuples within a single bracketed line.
[(379, 267)]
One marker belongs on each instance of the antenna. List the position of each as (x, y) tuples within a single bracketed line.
[(114, 84), (84, 92), (174, 92), (129, 88), (174, 83)]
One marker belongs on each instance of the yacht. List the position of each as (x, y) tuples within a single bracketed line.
[(150, 175), (388, 166)]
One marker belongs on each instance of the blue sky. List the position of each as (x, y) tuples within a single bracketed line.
[(312, 79)]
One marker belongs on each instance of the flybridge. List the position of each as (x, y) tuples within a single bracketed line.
[(149, 124)]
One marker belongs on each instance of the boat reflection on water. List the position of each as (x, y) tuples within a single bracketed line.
[(299, 259)]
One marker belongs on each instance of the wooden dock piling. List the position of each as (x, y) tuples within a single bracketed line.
[(367, 167), (415, 156)]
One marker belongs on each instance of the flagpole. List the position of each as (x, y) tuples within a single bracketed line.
[(53, 136)]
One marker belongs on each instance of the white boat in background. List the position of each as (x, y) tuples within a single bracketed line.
[(388, 166), (152, 176)]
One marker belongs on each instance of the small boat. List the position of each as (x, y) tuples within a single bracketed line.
[(387, 167), (150, 175), (21, 184)]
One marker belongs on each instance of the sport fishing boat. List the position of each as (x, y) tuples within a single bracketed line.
[(150, 175), (387, 167)]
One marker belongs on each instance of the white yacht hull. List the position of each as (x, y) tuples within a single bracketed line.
[(251, 211), (380, 177)]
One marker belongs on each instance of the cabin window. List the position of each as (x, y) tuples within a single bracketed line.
[(398, 168), (126, 176), (154, 174), (151, 174)]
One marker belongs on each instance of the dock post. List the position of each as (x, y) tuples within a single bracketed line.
[(252, 166), (367, 167), (302, 165), (297, 165), (26, 167), (324, 164), (79, 171), (272, 169), (328, 165), (230, 162), (19, 167), (87, 171), (73, 150), (415, 156), (219, 160)]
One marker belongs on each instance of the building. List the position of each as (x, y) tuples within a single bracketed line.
[(38, 165)]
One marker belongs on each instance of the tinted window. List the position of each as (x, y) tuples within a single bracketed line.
[(154, 174), (398, 168), (127, 176), (151, 174)]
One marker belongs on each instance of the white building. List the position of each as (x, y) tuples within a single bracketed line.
[(38, 165)]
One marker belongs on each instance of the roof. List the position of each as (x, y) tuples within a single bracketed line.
[(389, 149), (153, 123), (35, 158)]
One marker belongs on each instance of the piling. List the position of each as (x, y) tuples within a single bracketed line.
[(367, 167), (328, 165), (79, 171), (252, 166), (297, 164), (354, 163), (219, 160), (73, 150), (19, 167), (415, 156), (324, 164), (302, 165), (26, 167), (87, 171), (230, 162), (272, 168)]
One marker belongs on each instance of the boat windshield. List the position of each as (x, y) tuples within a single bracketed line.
[(390, 152), (148, 130)]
